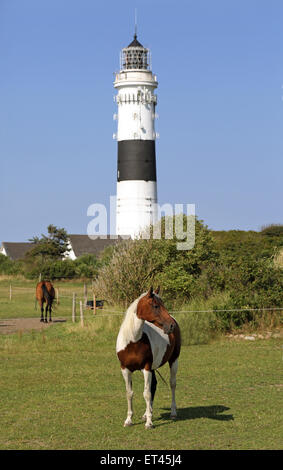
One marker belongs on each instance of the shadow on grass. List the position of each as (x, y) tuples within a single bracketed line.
[(197, 412)]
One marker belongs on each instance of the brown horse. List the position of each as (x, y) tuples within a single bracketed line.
[(148, 338), (45, 292)]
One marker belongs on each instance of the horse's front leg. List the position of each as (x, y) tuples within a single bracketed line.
[(173, 373), (147, 396), (153, 390), (127, 374)]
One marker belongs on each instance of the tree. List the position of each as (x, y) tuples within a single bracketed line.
[(52, 247), (48, 249)]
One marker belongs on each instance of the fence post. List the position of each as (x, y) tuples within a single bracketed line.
[(74, 308), (81, 313), (85, 294), (94, 304), (10, 291), (57, 295)]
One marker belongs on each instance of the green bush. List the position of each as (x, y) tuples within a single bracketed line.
[(272, 230), (253, 286), (181, 269), (233, 245), (10, 267), (53, 270), (136, 264), (87, 266)]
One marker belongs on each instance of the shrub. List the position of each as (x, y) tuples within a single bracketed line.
[(10, 267), (182, 269), (272, 230), (278, 259), (87, 266), (53, 270), (252, 286), (136, 264), (128, 273), (238, 244)]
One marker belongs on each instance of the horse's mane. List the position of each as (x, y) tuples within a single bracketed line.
[(131, 310), (130, 324)]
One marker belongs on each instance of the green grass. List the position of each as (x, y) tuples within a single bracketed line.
[(62, 389)]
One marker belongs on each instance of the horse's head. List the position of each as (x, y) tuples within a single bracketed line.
[(152, 309)]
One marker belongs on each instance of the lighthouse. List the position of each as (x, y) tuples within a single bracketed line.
[(136, 167)]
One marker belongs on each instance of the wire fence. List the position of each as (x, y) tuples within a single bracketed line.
[(228, 310), (69, 302), (10, 292)]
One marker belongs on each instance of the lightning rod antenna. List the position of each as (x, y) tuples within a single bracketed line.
[(136, 21)]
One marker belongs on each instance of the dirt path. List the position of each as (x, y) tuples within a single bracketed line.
[(25, 324)]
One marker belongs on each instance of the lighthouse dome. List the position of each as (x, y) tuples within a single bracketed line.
[(135, 56), (135, 43)]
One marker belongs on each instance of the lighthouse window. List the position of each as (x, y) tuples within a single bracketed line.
[(135, 58)]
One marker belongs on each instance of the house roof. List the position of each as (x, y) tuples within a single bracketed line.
[(17, 250), (82, 244)]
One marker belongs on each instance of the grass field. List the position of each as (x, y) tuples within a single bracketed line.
[(61, 388), (22, 303)]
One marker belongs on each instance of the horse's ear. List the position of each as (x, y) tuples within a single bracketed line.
[(150, 292), (157, 290)]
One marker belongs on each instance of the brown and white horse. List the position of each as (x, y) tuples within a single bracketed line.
[(45, 292), (148, 338)]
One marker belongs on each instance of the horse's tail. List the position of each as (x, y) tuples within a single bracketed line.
[(163, 380), (153, 385), (46, 294)]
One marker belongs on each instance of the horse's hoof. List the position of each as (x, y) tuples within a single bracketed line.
[(127, 424), (149, 426), (173, 417), (41, 320), (50, 320)]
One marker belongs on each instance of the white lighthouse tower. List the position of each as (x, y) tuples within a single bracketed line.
[(136, 172)]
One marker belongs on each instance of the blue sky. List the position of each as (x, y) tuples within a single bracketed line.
[(220, 71)]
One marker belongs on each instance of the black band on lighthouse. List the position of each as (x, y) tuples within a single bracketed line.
[(136, 160)]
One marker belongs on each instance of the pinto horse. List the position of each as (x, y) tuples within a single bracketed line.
[(148, 338), (45, 292)]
